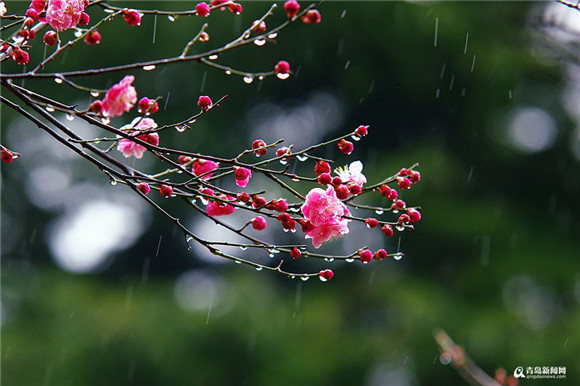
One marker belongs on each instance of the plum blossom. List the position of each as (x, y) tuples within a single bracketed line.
[(219, 208), (325, 213), (202, 166), (130, 148), (242, 176), (2, 9), (353, 174), (120, 98), (64, 14)]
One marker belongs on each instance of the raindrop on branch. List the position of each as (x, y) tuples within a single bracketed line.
[(149, 67), (248, 79)]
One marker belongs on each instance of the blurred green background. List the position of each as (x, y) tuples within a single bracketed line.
[(484, 95)]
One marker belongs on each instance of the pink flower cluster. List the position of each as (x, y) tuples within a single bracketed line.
[(65, 14), (220, 208), (120, 98), (130, 148), (325, 212)]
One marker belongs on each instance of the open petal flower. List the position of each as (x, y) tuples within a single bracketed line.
[(120, 98), (64, 14), (353, 174), (325, 213)]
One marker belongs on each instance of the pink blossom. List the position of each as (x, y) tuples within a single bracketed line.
[(64, 14), (325, 212), (219, 208), (120, 98), (202, 166), (242, 176), (353, 174), (130, 148)]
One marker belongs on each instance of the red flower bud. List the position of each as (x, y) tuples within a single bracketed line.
[(414, 215), (324, 179), (371, 222), (132, 17), (387, 230), (202, 9), (322, 167), (259, 223), (325, 275), (144, 188), (204, 102), (295, 253), (292, 8), (93, 38), (50, 38), (258, 143), (311, 16), (165, 190), (380, 254), (365, 256)]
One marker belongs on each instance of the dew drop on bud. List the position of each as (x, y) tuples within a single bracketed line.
[(70, 117), (248, 79), (304, 278), (322, 278), (149, 67), (50, 109), (58, 80), (95, 94), (259, 42), (273, 35), (212, 57), (283, 76), (379, 211)]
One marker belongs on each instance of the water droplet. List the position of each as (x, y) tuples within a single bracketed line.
[(188, 238), (292, 276), (213, 57), (78, 34), (70, 117), (58, 80), (304, 278), (228, 72), (273, 35), (181, 128), (397, 257), (97, 141), (283, 161), (259, 268), (259, 42), (171, 18), (248, 79), (193, 201), (261, 77), (204, 200), (270, 255), (302, 158), (237, 262), (285, 230), (109, 11), (95, 94), (322, 278), (293, 230), (283, 76), (349, 260), (368, 226), (355, 137), (295, 179), (106, 121), (303, 248), (400, 228), (113, 182), (244, 248), (379, 211), (149, 67), (50, 109), (326, 259)]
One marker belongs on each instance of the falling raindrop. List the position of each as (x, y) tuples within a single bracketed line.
[(58, 80), (50, 109), (95, 94), (70, 117), (259, 42), (379, 211), (213, 57), (149, 67), (248, 79), (273, 35), (304, 278), (302, 158), (343, 14), (283, 76)]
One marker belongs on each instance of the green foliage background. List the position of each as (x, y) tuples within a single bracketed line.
[(488, 213)]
